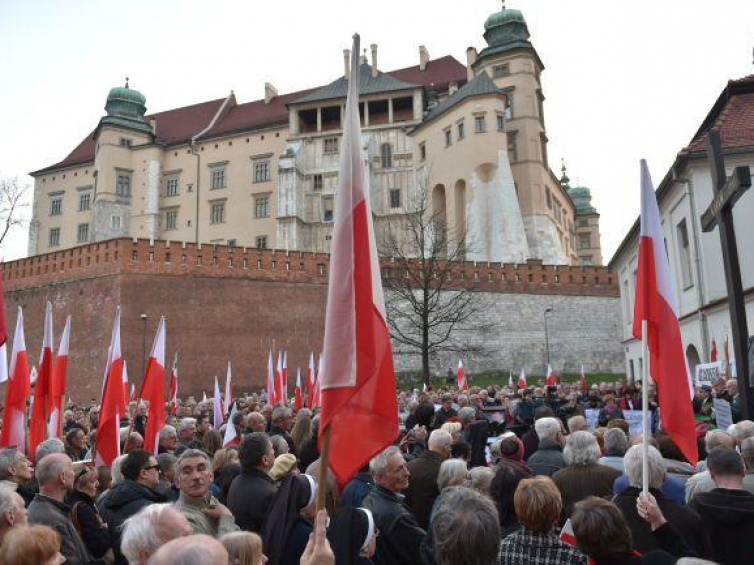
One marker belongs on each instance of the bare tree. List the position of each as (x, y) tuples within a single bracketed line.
[(12, 204), (429, 310)]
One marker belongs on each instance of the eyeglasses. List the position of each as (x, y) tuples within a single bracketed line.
[(150, 467)]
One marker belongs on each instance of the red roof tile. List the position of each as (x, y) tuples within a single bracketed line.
[(438, 72), (732, 115)]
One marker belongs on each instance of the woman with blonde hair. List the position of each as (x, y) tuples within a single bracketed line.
[(302, 429), (244, 548), (35, 545)]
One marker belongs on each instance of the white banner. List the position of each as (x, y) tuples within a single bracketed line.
[(591, 416), (723, 415), (635, 423), (708, 373)]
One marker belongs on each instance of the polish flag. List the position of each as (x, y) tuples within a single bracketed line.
[(656, 304), (173, 387), (552, 378), (510, 380), (461, 381), (217, 408), (279, 395), (228, 391), (584, 384), (522, 380), (713, 353), (153, 390), (358, 382), (297, 401), (270, 381), (43, 390), (3, 334), (317, 396), (285, 378), (19, 388), (60, 372), (113, 404), (132, 395), (231, 436), (567, 535), (310, 377)]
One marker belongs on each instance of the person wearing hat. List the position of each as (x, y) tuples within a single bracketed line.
[(285, 464), (353, 536), (289, 520), (705, 395)]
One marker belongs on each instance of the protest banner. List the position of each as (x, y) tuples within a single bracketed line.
[(708, 373), (723, 415)]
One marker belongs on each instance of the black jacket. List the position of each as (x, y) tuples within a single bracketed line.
[(400, 534), (90, 526), (547, 460), (120, 503), (357, 489), (422, 487), (275, 431), (249, 498), (309, 453), (728, 518), (671, 544), (56, 515), (476, 434)]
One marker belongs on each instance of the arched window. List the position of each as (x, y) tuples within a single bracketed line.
[(386, 153)]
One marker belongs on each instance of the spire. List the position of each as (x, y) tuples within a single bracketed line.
[(126, 82), (564, 180)]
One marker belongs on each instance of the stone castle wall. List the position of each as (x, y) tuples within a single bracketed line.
[(223, 303)]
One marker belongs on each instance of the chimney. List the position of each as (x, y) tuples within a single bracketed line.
[(346, 62), (471, 56), (270, 92), (423, 57), (452, 88), (373, 46), (153, 125)]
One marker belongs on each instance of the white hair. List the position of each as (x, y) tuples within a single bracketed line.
[(7, 500), (140, 532), (378, 464), (581, 449), (547, 428), (633, 460), (48, 447), (742, 430), (615, 441), (438, 439), (115, 473), (452, 473), (166, 431), (186, 423)]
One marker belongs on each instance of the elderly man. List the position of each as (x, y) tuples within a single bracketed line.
[(150, 528), (747, 454), (731, 387), (446, 411), (548, 459), (12, 511), (282, 421), (475, 433), (203, 511), (702, 481), (401, 534), (616, 445), (191, 550), (422, 490), (55, 476), (133, 441), (251, 492), (686, 522), (255, 422), (141, 475), (202, 427), (16, 472), (168, 440)]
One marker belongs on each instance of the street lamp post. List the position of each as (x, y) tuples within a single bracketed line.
[(143, 344), (547, 337)]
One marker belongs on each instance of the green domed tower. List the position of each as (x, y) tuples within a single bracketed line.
[(506, 29), (126, 107), (587, 222)]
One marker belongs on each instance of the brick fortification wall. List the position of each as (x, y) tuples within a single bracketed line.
[(222, 303)]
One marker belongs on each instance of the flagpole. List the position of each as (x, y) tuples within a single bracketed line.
[(324, 462), (645, 409)]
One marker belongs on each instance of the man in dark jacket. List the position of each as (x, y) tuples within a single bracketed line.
[(55, 476), (422, 489), (728, 510), (475, 433), (446, 411), (401, 535), (252, 491), (357, 488), (530, 439), (548, 459), (141, 474), (282, 421)]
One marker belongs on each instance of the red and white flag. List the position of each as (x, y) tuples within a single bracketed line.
[(217, 408), (231, 435), (3, 334), (713, 353), (285, 378), (19, 387), (43, 390), (310, 379), (584, 384), (153, 390), (358, 383), (270, 381), (173, 386), (522, 379), (461, 381), (228, 390), (567, 535), (132, 394), (656, 304), (60, 372), (552, 378), (279, 394), (297, 394), (113, 404), (317, 396)]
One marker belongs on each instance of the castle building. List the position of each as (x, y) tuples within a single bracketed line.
[(264, 173)]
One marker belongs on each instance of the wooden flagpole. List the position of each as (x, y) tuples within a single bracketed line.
[(645, 409), (324, 463)]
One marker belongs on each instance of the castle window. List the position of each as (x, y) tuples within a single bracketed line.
[(125, 142), (512, 146), (583, 223), (317, 182), (82, 233), (684, 254), (54, 240), (509, 106), (395, 197), (448, 137), (262, 207), (232, 243), (56, 206), (262, 170), (480, 125), (543, 140), (331, 145), (386, 154), (422, 151), (217, 213), (217, 177), (327, 210), (171, 186), (171, 220), (85, 201), (500, 71), (500, 123), (585, 241), (260, 242), (461, 131), (123, 184), (548, 197), (115, 222)]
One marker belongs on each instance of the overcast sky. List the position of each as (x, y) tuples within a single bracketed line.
[(623, 80)]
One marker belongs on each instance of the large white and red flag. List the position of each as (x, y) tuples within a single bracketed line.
[(522, 379), (317, 396), (359, 406), (285, 378), (19, 387), (60, 378), (173, 386), (655, 304), (228, 390), (153, 390), (584, 384), (43, 389), (217, 408), (297, 394), (113, 404), (461, 381), (3, 334), (231, 435), (310, 379), (552, 378), (279, 395), (270, 381)]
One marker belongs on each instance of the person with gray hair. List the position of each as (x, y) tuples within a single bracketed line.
[(684, 521), (702, 480), (424, 469), (401, 533), (186, 436), (583, 476), (281, 424), (480, 479), (16, 473), (453, 473), (747, 454), (577, 424), (195, 549), (48, 447), (616, 444), (150, 528), (548, 458), (168, 440), (12, 511), (465, 528)]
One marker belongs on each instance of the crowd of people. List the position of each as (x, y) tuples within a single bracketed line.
[(489, 476)]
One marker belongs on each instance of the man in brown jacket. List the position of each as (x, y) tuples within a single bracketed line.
[(422, 489)]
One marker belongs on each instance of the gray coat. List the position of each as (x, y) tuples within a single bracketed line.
[(56, 515)]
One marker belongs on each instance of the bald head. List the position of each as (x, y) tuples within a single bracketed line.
[(150, 528), (51, 467), (191, 550), (718, 438), (439, 440)]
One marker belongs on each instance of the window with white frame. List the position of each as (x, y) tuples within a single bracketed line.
[(217, 212), (327, 210), (56, 206), (395, 197), (115, 222), (500, 122), (331, 145), (499, 71), (171, 220), (261, 170), (54, 239), (217, 177), (260, 242), (171, 186), (85, 201), (317, 182), (512, 146), (386, 155), (123, 184), (585, 241), (82, 233), (480, 125), (262, 206)]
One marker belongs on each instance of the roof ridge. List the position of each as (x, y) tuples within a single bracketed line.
[(188, 106)]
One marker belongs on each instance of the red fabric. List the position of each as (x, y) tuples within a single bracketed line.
[(113, 404), (153, 391), (173, 391), (43, 402), (14, 417), (713, 354), (3, 327)]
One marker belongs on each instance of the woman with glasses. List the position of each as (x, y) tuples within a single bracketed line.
[(85, 516)]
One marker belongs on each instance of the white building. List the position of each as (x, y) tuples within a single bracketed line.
[(695, 257)]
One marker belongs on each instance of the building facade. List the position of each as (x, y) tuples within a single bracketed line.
[(695, 257), (264, 173)]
